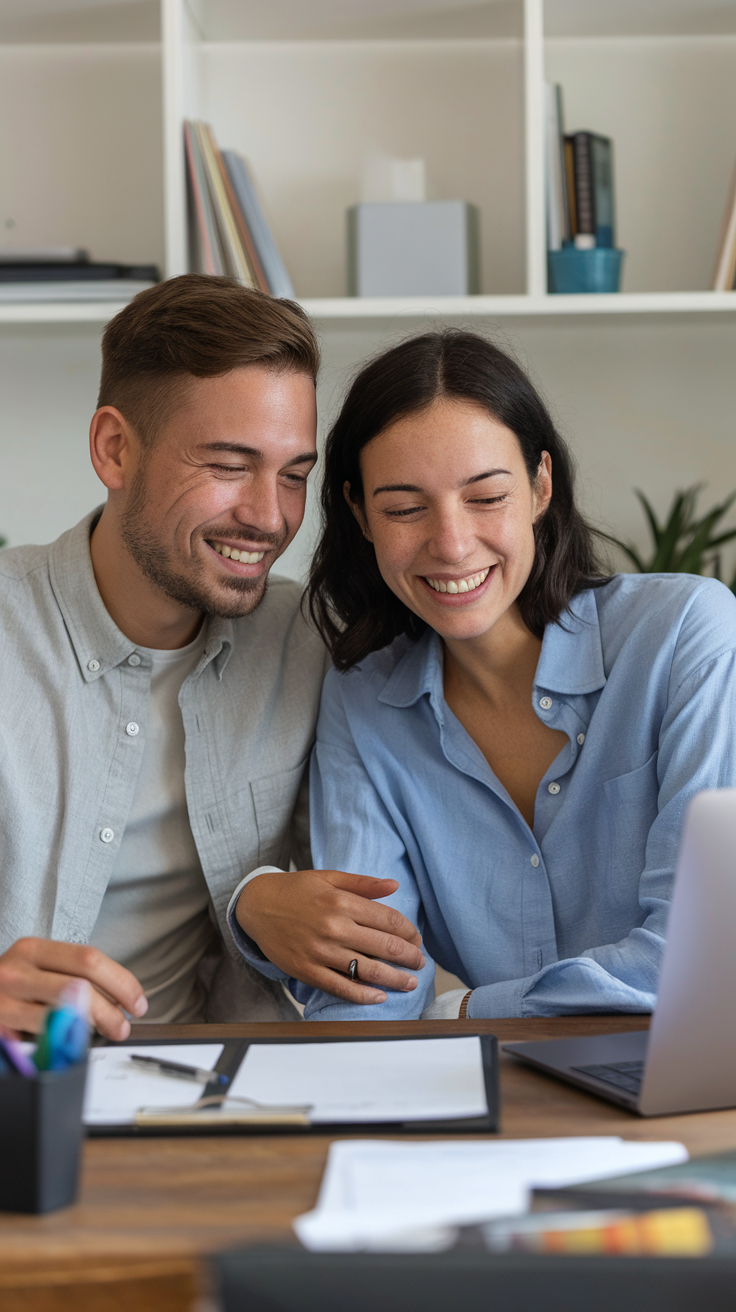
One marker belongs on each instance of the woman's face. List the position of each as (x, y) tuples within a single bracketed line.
[(450, 512)]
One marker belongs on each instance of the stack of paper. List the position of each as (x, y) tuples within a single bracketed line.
[(382, 1195)]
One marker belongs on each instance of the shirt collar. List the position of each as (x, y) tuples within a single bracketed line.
[(571, 660), (99, 645)]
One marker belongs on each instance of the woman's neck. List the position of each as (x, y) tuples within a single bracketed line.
[(499, 665)]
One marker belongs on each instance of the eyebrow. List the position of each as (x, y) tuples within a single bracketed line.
[(237, 448), (410, 487)]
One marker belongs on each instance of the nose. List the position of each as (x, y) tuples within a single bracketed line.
[(451, 540), (258, 504)]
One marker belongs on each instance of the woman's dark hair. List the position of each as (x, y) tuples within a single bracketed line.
[(353, 608)]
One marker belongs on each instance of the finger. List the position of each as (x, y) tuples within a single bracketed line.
[(339, 986), (21, 1017), (26, 983), (381, 976), (387, 920), (363, 885), (84, 962), (385, 947), (107, 1018)]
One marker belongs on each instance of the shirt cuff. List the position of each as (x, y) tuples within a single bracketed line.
[(494, 1001), (247, 946)]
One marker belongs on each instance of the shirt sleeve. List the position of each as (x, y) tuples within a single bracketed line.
[(351, 830), (697, 750)]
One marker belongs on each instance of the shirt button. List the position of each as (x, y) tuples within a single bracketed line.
[(553, 788), (134, 659), (131, 729), (107, 835), (581, 738), (545, 703), (535, 860), (93, 666)]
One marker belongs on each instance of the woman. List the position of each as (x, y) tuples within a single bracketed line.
[(509, 733)]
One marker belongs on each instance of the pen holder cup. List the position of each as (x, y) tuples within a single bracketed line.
[(41, 1134), (570, 270)]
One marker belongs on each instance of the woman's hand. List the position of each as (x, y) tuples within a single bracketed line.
[(35, 971), (313, 923)]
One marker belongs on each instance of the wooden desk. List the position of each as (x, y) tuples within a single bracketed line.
[(150, 1210)]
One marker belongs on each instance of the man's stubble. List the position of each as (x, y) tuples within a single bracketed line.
[(190, 589)]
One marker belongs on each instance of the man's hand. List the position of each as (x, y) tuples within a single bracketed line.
[(313, 923), (35, 971)]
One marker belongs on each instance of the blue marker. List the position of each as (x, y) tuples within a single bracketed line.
[(65, 1037)]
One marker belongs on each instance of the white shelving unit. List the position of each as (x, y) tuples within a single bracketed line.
[(92, 98), (306, 92)]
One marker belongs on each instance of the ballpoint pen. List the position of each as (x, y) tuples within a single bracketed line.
[(178, 1071)]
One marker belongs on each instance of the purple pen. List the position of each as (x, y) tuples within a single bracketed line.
[(18, 1059)]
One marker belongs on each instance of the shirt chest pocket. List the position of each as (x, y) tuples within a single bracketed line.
[(274, 798), (630, 811)]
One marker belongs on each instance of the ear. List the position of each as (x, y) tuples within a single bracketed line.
[(542, 489), (357, 511), (113, 447)]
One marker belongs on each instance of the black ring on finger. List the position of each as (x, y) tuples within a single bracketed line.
[(353, 971)]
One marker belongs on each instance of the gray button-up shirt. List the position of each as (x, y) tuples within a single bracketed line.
[(72, 684)]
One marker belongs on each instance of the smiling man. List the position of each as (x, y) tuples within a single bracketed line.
[(159, 697)]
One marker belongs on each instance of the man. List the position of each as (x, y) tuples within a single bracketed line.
[(159, 699)]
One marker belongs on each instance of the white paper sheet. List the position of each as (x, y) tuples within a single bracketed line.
[(116, 1089), (400, 1080), (373, 1192)]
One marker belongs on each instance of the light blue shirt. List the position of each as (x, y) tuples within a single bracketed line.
[(570, 916)]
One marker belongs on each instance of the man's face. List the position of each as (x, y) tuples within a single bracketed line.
[(221, 492)]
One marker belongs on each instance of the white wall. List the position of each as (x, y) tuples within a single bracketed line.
[(306, 114), (645, 402)]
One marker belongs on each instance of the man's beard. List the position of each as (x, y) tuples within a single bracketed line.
[(192, 589)]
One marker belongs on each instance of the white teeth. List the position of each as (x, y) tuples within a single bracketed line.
[(245, 557), (461, 585)]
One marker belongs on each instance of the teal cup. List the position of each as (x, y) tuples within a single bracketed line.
[(598, 270)]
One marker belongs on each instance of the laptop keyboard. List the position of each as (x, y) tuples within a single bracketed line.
[(626, 1075)]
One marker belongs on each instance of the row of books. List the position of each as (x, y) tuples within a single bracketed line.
[(579, 182), (229, 232)]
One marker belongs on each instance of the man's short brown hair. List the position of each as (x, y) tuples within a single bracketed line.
[(195, 326)]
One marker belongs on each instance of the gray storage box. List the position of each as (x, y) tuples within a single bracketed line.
[(413, 248)]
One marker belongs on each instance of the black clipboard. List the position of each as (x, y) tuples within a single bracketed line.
[(233, 1054)]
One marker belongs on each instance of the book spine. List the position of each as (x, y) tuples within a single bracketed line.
[(279, 282), (725, 274), (259, 277), (584, 191), (236, 263), (569, 161), (557, 219), (208, 255), (601, 149)]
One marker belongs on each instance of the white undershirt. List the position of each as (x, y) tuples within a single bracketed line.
[(154, 917)]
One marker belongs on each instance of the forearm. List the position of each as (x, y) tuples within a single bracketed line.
[(577, 986)]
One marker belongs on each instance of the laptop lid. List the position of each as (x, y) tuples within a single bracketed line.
[(691, 1055)]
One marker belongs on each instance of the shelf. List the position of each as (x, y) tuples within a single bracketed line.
[(60, 311), (492, 307), (348, 308)]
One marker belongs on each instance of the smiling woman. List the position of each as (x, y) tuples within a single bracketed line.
[(510, 734)]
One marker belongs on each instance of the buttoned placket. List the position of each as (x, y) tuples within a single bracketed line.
[(74, 921)]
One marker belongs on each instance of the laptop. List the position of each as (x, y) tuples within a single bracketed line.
[(687, 1060)]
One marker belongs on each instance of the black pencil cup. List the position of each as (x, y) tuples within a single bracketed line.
[(41, 1135)]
